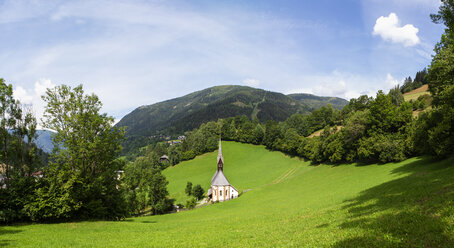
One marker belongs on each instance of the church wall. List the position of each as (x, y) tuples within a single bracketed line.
[(217, 196)]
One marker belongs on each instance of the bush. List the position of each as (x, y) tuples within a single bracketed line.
[(191, 203)]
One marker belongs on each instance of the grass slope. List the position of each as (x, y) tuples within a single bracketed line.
[(407, 204), (414, 94), (246, 167)]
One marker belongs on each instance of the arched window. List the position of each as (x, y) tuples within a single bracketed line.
[(226, 192), (220, 193)]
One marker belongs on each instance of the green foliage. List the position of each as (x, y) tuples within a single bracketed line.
[(409, 84), (191, 203), (316, 102), (445, 14), (145, 186), (80, 182), (396, 96), (159, 201), (434, 131), (422, 102), (188, 155), (188, 189), (19, 156), (357, 104), (198, 192)]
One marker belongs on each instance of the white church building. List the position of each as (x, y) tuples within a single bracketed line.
[(221, 189)]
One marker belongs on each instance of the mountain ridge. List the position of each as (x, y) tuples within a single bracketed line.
[(178, 115)]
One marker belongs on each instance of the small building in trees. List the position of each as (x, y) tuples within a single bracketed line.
[(221, 189), (164, 158)]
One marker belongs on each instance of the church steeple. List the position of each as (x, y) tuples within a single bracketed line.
[(220, 158)]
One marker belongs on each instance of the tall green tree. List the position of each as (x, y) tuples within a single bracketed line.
[(198, 192), (9, 112), (396, 96), (81, 181), (188, 189)]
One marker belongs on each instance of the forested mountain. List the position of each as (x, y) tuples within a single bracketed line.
[(185, 113), (316, 102)]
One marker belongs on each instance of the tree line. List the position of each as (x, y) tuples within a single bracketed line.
[(84, 178)]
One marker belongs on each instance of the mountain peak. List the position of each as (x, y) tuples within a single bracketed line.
[(177, 115)]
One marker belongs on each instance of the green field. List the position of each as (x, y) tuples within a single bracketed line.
[(291, 203), (414, 94), (246, 167)]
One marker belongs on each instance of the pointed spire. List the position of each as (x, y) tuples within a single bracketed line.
[(220, 157), (220, 149)]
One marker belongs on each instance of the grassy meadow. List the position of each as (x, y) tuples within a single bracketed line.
[(290, 203), (414, 94)]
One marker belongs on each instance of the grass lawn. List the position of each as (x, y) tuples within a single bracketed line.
[(291, 203)]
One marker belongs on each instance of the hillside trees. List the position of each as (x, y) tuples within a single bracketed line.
[(434, 131), (19, 156), (144, 185), (198, 192), (81, 181), (396, 96), (188, 189), (411, 84)]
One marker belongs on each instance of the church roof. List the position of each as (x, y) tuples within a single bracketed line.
[(212, 179), (219, 179)]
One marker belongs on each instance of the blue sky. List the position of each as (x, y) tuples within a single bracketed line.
[(133, 53)]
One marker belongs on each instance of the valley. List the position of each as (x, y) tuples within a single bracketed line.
[(290, 203)]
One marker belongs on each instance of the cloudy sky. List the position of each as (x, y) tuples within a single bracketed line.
[(133, 53)]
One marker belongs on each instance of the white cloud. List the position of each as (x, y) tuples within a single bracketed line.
[(391, 82), (33, 96), (389, 29), (346, 85), (251, 82), (42, 85), (21, 94)]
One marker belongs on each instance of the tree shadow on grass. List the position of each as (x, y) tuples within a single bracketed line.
[(415, 210), (3, 231)]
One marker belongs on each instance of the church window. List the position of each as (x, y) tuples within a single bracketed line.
[(226, 192), (220, 193)]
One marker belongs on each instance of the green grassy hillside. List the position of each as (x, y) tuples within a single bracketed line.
[(414, 94), (246, 167), (293, 204)]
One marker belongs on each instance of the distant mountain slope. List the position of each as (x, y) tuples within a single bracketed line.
[(185, 113), (316, 102), (44, 140)]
